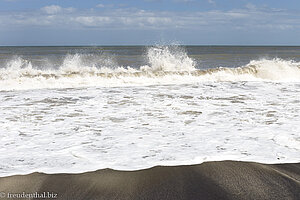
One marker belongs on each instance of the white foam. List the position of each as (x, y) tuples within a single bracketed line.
[(276, 69), (133, 128)]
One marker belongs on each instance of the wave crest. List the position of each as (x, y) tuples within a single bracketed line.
[(166, 66), (168, 58)]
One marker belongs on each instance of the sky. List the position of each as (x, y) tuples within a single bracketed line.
[(147, 22)]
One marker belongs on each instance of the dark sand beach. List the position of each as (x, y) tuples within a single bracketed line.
[(211, 181)]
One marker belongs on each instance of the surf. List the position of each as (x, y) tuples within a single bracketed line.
[(165, 65)]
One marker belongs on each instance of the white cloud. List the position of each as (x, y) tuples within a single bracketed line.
[(54, 9), (211, 2), (93, 21), (249, 18), (100, 6), (250, 6)]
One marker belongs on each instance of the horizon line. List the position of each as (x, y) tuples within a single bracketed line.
[(123, 45)]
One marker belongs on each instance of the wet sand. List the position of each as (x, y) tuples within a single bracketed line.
[(211, 180)]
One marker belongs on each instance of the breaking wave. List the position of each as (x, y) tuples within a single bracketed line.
[(166, 65)]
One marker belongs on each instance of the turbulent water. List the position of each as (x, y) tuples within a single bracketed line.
[(75, 109)]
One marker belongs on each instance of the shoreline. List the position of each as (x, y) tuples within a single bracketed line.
[(209, 180)]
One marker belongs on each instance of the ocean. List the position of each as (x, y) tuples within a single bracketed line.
[(77, 109)]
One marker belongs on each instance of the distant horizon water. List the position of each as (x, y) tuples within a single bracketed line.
[(153, 44)]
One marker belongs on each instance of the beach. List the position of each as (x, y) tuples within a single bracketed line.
[(208, 181)]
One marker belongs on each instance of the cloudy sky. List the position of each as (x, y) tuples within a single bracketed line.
[(123, 22)]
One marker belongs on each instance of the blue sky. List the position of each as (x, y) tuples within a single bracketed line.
[(130, 22)]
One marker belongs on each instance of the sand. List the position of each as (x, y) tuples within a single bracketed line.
[(211, 180)]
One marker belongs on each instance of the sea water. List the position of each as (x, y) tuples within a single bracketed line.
[(77, 109)]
